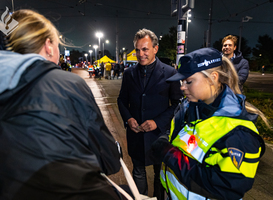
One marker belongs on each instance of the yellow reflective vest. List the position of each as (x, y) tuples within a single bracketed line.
[(197, 142)]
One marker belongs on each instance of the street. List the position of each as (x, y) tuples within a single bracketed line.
[(257, 81), (106, 93)]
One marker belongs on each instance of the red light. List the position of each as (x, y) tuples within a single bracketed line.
[(191, 143)]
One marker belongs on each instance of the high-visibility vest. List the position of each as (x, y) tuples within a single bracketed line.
[(196, 142)]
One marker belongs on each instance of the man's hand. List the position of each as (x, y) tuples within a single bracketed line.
[(148, 125), (134, 125)]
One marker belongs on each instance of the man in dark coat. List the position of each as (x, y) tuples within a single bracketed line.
[(241, 65), (147, 103)]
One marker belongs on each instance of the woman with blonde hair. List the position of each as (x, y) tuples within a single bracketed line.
[(214, 148), (54, 143)]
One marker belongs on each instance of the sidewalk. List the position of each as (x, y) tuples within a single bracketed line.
[(106, 93)]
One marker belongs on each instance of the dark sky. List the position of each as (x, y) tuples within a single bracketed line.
[(79, 21)]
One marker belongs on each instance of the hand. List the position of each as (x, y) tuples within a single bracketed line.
[(160, 147), (134, 125), (148, 125)]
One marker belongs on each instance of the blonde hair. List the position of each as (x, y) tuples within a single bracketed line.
[(228, 75), (32, 32)]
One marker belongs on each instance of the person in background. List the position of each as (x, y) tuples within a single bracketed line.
[(229, 46), (263, 70), (146, 103), (214, 148), (102, 69), (121, 68), (54, 143), (116, 70), (108, 67)]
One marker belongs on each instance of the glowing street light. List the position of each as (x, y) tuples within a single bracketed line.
[(86, 57), (99, 35), (95, 47)]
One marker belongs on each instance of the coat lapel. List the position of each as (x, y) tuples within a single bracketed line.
[(156, 76), (136, 77)]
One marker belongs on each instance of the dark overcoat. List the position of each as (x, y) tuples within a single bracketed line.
[(157, 101)]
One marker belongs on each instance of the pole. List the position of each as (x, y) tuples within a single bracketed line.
[(99, 48), (12, 7), (210, 23), (102, 49), (181, 32), (117, 51), (187, 32), (90, 58), (240, 38)]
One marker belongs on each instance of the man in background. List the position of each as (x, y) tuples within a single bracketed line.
[(229, 46)]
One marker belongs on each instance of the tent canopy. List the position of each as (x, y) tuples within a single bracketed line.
[(105, 59), (131, 57)]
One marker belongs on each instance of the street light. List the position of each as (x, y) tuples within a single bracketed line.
[(90, 51), (187, 30), (99, 35), (106, 41), (244, 19), (86, 58), (95, 47)]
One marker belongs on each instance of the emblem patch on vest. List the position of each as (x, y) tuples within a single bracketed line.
[(236, 156)]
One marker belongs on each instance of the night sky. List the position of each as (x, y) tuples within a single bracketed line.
[(78, 21)]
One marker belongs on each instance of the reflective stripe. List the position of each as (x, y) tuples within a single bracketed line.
[(249, 169), (194, 196), (177, 190), (253, 155), (174, 185), (171, 129)]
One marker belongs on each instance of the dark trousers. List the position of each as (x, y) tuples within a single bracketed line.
[(116, 73), (140, 178)]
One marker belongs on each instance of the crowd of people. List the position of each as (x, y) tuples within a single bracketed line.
[(193, 124), (106, 70)]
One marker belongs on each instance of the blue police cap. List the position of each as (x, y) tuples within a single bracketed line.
[(197, 61)]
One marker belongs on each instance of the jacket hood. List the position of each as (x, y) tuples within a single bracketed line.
[(238, 57), (13, 66), (230, 105), (234, 106)]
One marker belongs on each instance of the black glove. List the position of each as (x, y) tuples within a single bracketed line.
[(160, 147)]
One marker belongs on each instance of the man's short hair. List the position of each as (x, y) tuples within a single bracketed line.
[(232, 38), (144, 32)]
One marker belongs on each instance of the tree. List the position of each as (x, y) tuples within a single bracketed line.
[(167, 44), (263, 53), (74, 56)]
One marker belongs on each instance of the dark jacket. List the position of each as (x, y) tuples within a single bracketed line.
[(156, 101), (242, 67), (53, 140), (116, 67), (205, 178)]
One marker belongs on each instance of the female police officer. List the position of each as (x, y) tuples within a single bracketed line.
[(214, 147)]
